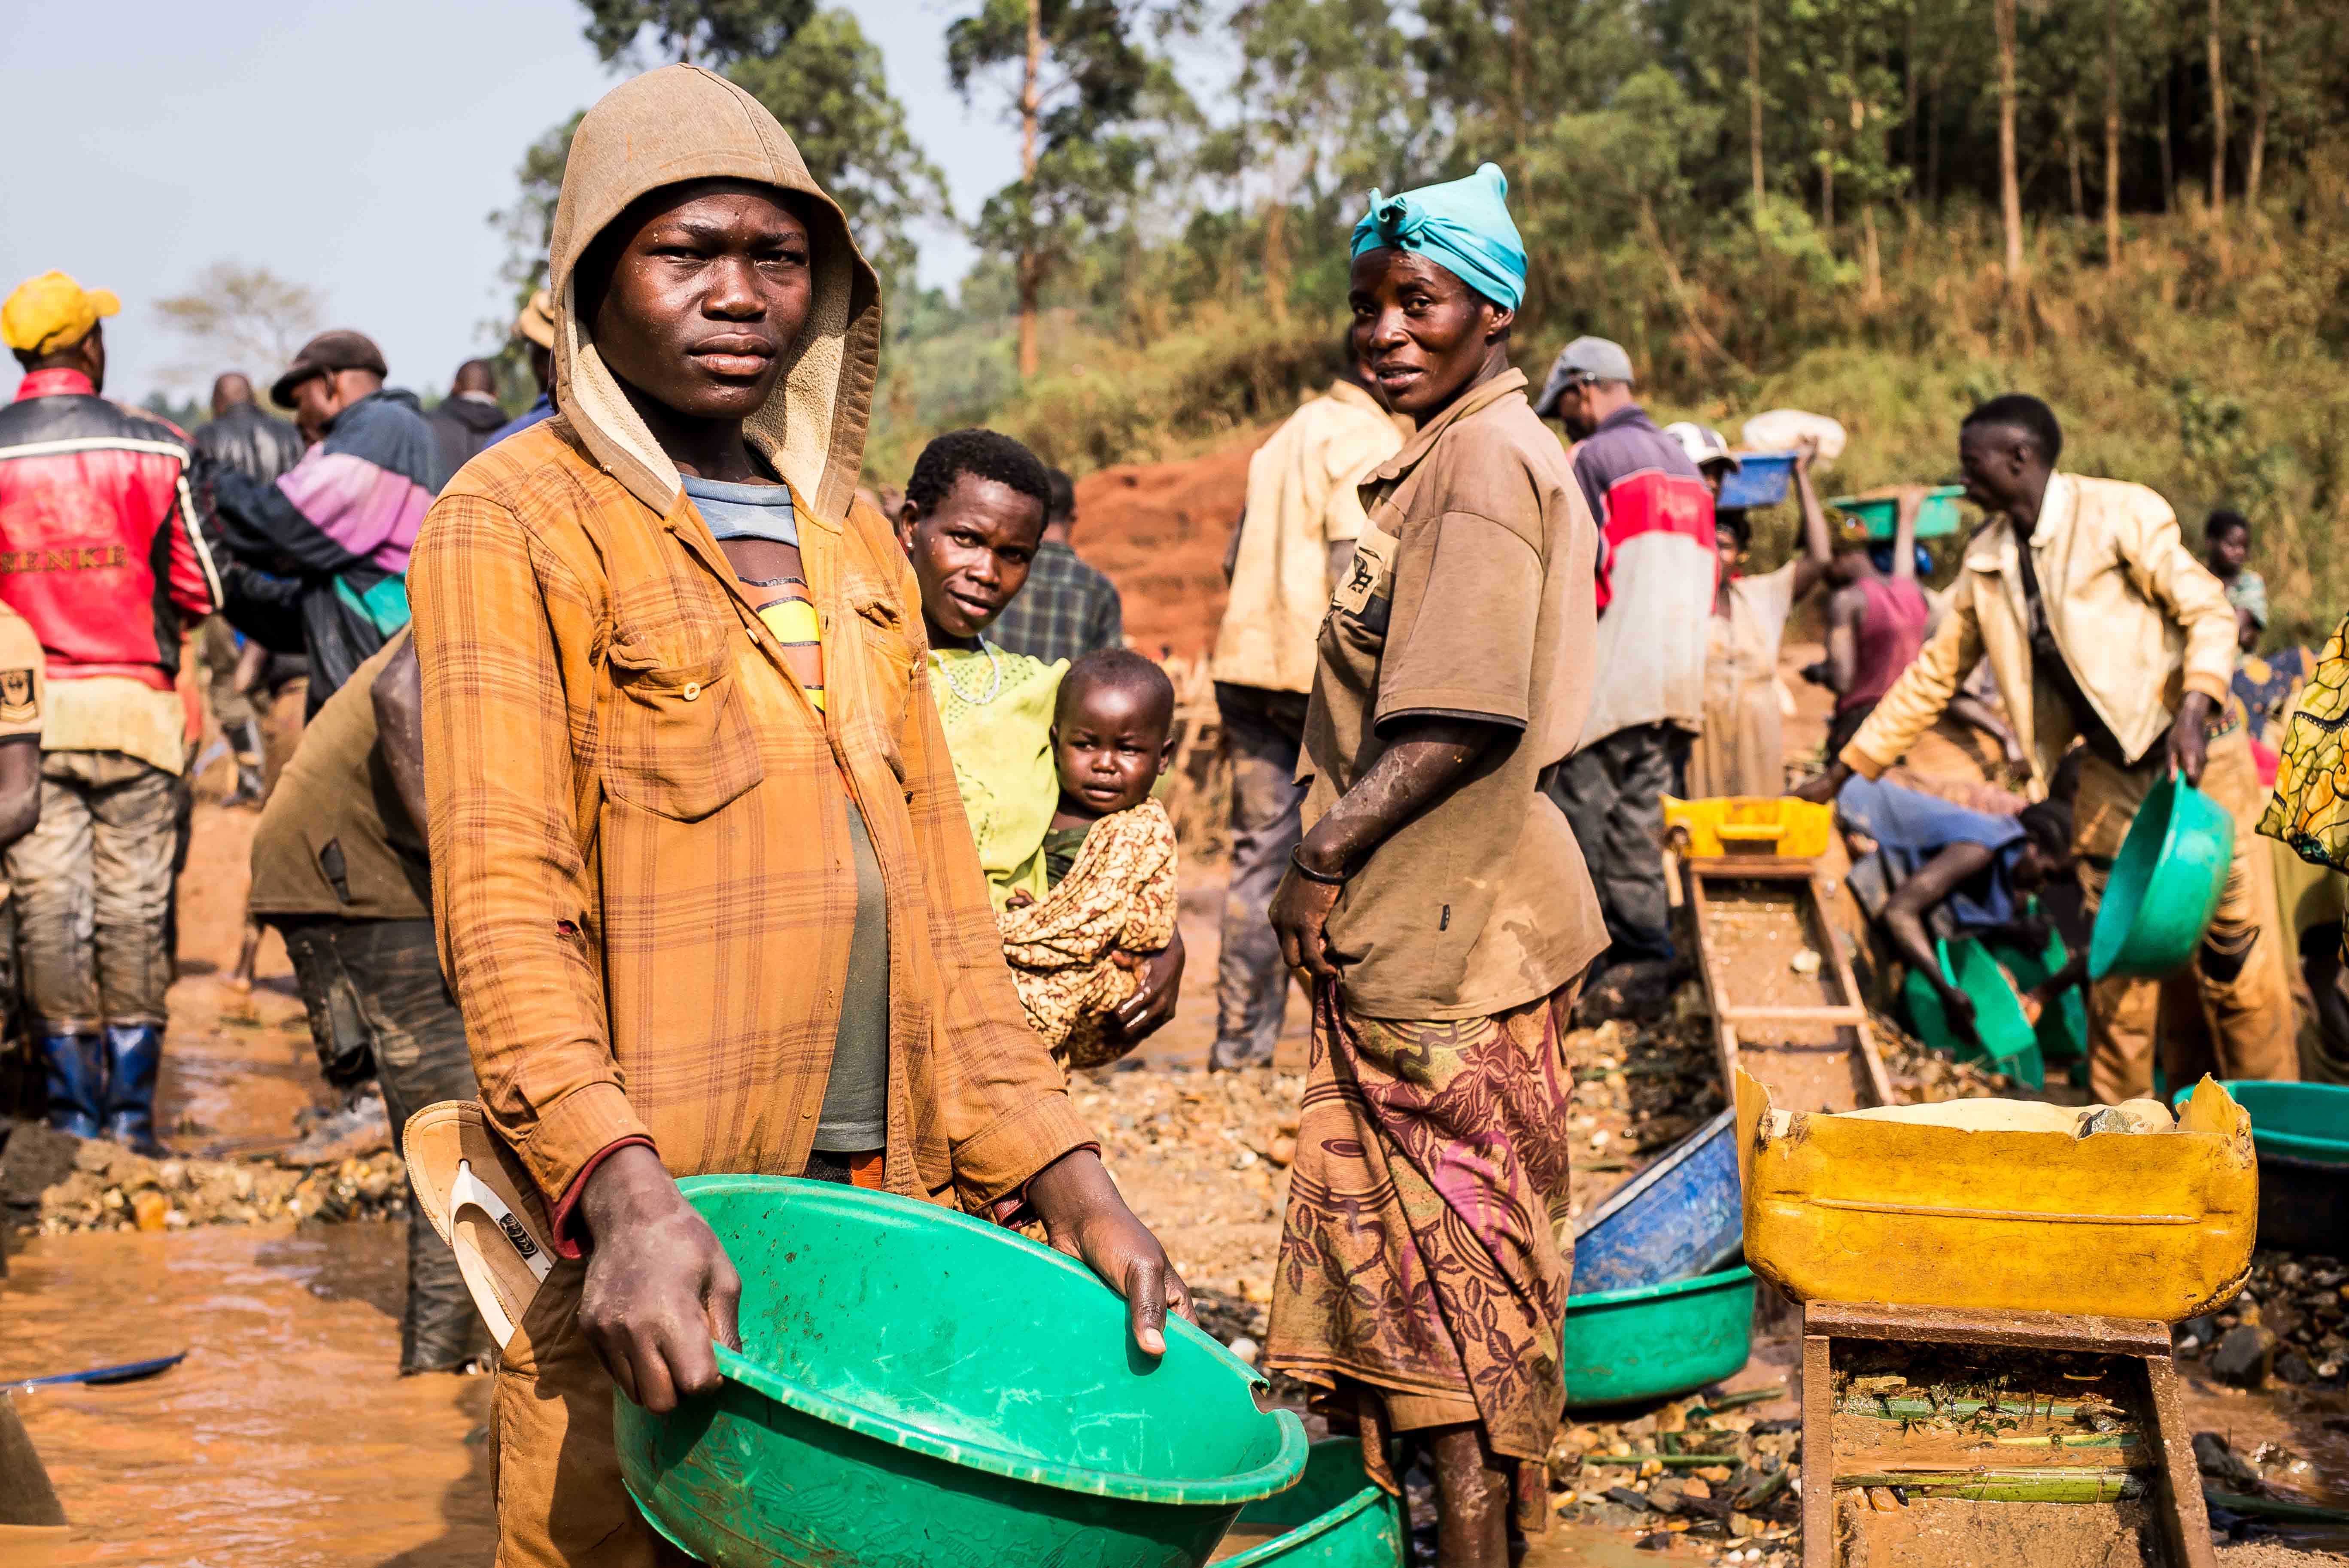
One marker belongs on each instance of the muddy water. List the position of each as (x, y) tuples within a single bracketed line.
[(285, 1439)]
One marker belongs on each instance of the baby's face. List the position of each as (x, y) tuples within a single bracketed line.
[(1109, 745)]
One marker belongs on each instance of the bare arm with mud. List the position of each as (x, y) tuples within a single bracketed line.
[(398, 696), (1904, 922), (1429, 759)]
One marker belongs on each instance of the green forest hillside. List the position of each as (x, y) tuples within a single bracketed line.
[(1879, 210)]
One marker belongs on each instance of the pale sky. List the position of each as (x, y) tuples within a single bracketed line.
[(359, 149)]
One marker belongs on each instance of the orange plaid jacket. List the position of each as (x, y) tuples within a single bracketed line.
[(641, 867)]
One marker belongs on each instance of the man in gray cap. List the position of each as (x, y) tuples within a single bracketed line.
[(1657, 563), (341, 521)]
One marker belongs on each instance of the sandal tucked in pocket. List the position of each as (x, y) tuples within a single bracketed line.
[(473, 1189)]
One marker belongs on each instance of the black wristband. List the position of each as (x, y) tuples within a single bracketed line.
[(1298, 863)]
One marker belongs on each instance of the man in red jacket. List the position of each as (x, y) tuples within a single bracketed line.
[(100, 551)]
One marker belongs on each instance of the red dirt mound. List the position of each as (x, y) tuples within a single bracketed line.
[(1158, 530)]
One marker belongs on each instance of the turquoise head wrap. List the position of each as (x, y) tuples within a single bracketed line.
[(1463, 226)]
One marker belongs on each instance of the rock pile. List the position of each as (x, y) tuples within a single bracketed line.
[(2291, 1324), (1700, 1469), (108, 1188)]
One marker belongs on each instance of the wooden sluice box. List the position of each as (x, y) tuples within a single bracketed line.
[(1750, 879), (1970, 1440), (1986, 1348)]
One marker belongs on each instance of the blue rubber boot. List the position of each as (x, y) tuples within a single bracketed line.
[(134, 1053), (77, 1067)]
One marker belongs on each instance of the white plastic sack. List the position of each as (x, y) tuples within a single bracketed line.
[(1784, 430)]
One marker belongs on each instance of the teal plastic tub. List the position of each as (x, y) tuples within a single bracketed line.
[(1659, 1340), (2062, 1030), (1880, 515), (921, 1390), (2301, 1133), (1334, 1518), (2008, 1043), (2304, 1121), (2165, 885)]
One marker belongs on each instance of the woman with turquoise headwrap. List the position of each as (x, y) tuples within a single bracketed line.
[(1438, 902)]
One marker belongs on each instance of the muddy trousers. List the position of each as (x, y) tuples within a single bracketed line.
[(2229, 1011), (1612, 793), (1262, 730), (93, 889), (373, 989)]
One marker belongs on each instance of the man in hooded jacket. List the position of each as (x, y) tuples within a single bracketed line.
[(708, 907)]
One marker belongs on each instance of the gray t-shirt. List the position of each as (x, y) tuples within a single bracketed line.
[(856, 1115)]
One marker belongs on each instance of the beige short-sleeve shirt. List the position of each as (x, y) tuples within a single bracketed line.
[(1471, 596), (1300, 500)]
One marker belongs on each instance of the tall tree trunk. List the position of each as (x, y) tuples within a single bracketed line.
[(2259, 149), (1871, 266), (1276, 254), (2010, 189), (2072, 152), (1753, 99), (1908, 89), (2112, 133), (2161, 134), (2218, 117), (1030, 263), (1933, 141)]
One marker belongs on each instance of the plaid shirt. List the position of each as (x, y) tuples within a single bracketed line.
[(1066, 610), (642, 872)]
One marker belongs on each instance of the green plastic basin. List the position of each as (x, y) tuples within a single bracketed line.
[(2008, 1044), (2165, 885), (1937, 516), (917, 1389), (1334, 1518), (1658, 1340), (2301, 1120), (2063, 1029)]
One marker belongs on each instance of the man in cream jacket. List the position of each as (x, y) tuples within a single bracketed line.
[(2101, 627)]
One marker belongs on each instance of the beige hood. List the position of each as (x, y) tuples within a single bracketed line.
[(681, 123)]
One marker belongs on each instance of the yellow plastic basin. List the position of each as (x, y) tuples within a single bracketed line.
[(2149, 1225)]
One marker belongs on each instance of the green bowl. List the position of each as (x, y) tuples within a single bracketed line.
[(2063, 1029), (1658, 1340), (917, 1389), (2165, 885), (1336, 1517), (2008, 1044), (2301, 1120), (1880, 515)]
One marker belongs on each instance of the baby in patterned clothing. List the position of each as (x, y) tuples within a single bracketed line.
[(1077, 952)]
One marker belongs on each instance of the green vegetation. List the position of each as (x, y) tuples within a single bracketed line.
[(1879, 210)]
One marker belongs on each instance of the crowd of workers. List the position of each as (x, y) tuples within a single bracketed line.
[(769, 831)]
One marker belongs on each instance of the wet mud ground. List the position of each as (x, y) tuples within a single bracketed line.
[(287, 1439)]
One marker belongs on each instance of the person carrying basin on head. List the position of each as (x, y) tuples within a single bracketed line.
[(703, 881), (1657, 563), (2100, 626), (1741, 748), (1437, 901), (971, 523)]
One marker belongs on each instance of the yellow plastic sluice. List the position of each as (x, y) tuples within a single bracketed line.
[(2150, 1225), (1750, 825)]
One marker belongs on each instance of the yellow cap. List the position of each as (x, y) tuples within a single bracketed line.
[(52, 311)]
